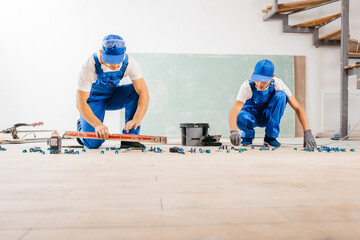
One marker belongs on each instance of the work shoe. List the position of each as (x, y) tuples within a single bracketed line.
[(246, 141), (271, 141), (77, 129), (133, 145)]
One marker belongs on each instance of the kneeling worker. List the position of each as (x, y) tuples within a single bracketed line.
[(261, 102), (99, 91)]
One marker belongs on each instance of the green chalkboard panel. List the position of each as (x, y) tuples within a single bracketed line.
[(193, 88)]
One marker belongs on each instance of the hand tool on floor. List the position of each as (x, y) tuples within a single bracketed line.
[(13, 131), (176, 150), (55, 143), (118, 137), (72, 146), (210, 140)]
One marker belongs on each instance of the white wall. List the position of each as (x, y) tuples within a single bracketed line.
[(43, 45)]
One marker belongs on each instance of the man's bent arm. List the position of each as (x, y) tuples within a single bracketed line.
[(85, 111), (141, 89), (234, 112), (300, 112)]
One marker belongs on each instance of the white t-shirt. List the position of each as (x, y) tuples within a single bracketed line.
[(88, 75), (245, 92)]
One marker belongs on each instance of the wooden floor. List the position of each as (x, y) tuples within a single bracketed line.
[(255, 195)]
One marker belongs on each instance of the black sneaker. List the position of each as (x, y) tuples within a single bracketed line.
[(77, 129), (133, 145), (246, 141), (271, 141)]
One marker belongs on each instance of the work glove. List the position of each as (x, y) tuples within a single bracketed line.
[(234, 137), (309, 140)]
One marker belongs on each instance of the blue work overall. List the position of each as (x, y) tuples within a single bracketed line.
[(106, 94), (264, 109)]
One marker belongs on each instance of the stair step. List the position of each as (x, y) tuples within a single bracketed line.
[(354, 55), (354, 70), (317, 22), (295, 6), (352, 66), (336, 35), (353, 45)]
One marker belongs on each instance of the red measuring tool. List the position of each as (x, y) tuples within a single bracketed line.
[(125, 137)]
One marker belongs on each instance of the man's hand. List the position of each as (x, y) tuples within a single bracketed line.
[(102, 131), (309, 140), (132, 124), (234, 137)]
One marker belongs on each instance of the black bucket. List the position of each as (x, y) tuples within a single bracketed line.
[(192, 132)]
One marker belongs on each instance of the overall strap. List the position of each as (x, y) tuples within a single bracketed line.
[(272, 86), (252, 85), (123, 66), (97, 64)]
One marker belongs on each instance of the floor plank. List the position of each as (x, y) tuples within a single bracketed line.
[(13, 234), (140, 218), (282, 194), (294, 231)]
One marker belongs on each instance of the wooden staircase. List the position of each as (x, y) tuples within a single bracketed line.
[(349, 47), (295, 6), (318, 22)]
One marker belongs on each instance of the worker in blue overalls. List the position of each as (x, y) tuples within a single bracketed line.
[(99, 91), (261, 102)]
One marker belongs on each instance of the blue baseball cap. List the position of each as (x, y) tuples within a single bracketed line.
[(263, 72), (113, 49)]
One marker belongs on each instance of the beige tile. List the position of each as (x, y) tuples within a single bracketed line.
[(12, 234), (243, 200), (160, 189), (33, 194), (140, 218), (321, 213), (333, 231), (18, 206)]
